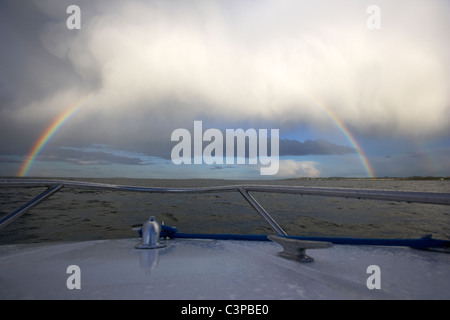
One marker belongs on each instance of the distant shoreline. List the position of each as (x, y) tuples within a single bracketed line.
[(412, 178), (375, 178)]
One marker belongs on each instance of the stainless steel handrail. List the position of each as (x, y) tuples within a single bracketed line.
[(4, 221), (244, 190)]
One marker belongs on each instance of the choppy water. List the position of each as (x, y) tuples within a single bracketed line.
[(72, 215)]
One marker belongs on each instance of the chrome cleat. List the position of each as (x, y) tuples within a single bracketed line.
[(151, 231), (296, 249)]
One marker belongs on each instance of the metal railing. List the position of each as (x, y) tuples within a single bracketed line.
[(56, 185)]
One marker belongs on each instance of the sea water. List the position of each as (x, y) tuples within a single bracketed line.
[(77, 214)]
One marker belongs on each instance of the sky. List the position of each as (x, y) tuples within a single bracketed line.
[(353, 91)]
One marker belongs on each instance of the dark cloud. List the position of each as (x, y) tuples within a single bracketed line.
[(312, 147), (93, 155), (9, 160), (142, 154), (287, 147), (145, 68)]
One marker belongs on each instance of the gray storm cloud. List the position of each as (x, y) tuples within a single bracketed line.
[(153, 66)]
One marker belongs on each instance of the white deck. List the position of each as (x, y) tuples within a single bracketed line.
[(212, 269)]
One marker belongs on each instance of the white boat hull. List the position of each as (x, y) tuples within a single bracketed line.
[(218, 269)]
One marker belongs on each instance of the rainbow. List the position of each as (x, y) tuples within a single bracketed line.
[(368, 168), (46, 136), (65, 116)]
